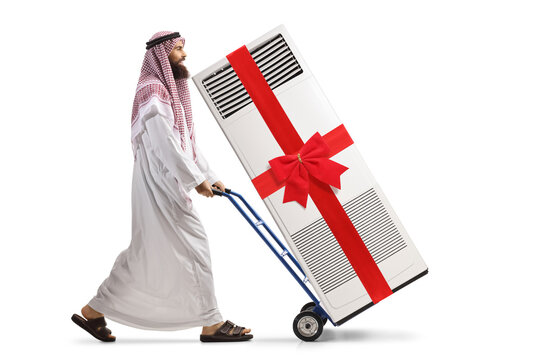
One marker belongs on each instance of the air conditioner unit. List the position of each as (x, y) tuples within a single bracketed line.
[(333, 278)]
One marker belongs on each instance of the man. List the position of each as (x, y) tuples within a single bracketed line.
[(163, 280)]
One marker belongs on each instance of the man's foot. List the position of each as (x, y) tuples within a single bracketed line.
[(225, 331), (91, 314), (211, 330)]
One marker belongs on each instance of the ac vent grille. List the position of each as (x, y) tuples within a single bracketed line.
[(322, 253), (277, 64)]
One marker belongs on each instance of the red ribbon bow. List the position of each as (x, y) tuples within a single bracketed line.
[(312, 159)]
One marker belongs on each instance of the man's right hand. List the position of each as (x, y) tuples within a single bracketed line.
[(205, 189)]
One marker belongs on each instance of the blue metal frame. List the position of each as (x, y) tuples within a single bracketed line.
[(281, 256)]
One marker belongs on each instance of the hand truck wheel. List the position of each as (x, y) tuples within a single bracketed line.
[(309, 306), (307, 326)]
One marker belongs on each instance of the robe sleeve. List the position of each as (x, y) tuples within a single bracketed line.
[(169, 149), (204, 167)]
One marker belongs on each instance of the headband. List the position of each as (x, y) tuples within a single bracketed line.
[(161, 39)]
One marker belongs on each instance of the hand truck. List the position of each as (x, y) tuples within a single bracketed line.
[(308, 324)]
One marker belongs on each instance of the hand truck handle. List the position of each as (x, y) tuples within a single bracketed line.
[(220, 193)]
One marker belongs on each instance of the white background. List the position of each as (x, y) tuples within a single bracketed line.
[(441, 98)]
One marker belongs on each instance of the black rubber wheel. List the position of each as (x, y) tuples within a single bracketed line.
[(307, 326), (309, 306)]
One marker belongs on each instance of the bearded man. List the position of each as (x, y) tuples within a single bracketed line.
[(163, 280)]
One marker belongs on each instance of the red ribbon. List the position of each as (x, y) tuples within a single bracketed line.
[(312, 159), (321, 193)]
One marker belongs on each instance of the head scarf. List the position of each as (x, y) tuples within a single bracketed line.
[(157, 79)]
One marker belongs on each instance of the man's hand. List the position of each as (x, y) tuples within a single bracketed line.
[(219, 185), (205, 189)]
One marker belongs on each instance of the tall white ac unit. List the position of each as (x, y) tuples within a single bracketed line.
[(341, 292)]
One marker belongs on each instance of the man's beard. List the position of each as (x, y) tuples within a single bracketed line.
[(179, 71)]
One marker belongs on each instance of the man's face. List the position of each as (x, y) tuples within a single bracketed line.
[(176, 58)]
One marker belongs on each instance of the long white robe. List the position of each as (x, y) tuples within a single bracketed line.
[(163, 280)]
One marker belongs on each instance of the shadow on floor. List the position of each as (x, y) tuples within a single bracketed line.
[(329, 335), (349, 335)]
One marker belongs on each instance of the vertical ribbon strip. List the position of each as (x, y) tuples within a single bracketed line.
[(322, 195)]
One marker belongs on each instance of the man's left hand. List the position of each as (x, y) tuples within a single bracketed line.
[(219, 185)]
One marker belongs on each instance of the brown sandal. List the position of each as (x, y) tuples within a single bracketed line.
[(96, 327), (222, 334)]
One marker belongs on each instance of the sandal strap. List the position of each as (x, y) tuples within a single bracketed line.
[(227, 325), (97, 322), (103, 332), (99, 326), (238, 330)]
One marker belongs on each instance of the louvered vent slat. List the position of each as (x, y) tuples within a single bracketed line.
[(277, 64), (324, 256)]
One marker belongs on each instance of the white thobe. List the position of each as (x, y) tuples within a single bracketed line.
[(163, 280)]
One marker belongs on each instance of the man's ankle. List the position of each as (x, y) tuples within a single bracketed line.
[(90, 313)]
